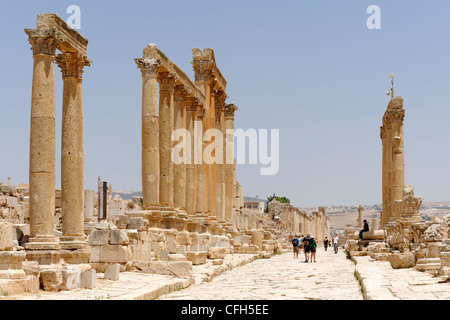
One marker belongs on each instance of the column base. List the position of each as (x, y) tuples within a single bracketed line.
[(168, 218), (203, 222), (192, 224), (44, 257), (75, 250), (181, 220)]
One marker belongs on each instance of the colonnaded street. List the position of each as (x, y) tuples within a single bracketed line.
[(282, 278)]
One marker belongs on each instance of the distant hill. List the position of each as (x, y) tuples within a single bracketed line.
[(127, 195)]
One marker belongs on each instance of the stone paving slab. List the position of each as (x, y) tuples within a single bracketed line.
[(382, 282), (281, 278), (140, 286)]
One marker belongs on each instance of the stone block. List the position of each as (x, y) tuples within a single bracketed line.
[(136, 223), (165, 255), (352, 245), (173, 268), (115, 254), (6, 236), (217, 253), (11, 259), (88, 279), (122, 222), (379, 256), (217, 262), (71, 276), (182, 250), (197, 257), (176, 257), (374, 235), (112, 272), (99, 237), (184, 238), (133, 234), (119, 237), (401, 260), (51, 279), (31, 268), (445, 259)]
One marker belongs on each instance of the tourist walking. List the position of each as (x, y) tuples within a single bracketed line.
[(295, 243), (336, 243), (325, 243), (306, 247), (300, 243), (313, 246)]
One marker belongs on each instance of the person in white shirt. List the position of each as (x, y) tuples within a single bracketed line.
[(336, 243)]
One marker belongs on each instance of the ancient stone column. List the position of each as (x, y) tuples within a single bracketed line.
[(72, 156), (360, 216), (89, 206), (393, 158), (229, 158), (42, 245), (180, 168), (202, 181), (203, 64), (166, 125), (191, 168), (220, 167), (150, 133), (212, 167), (385, 214)]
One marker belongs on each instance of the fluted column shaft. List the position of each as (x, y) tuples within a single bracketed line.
[(201, 198), (191, 168), (150, 133), (42, 141), (166, 125), (230, 184), (180, 168), (220, 164), (72, 147)]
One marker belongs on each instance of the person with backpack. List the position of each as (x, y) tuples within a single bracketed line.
[(325, 243), (306, 246), (295, 243), (300, 243), (313, 246)]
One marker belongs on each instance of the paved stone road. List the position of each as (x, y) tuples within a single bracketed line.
[(281, 278)]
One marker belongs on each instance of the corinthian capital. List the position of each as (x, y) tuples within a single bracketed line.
[(220, 97), (72, 64), (229, 110), (167, 81), (148, 66), (43, 40), (203, 70)]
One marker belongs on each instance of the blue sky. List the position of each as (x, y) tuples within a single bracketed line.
[(309, 68)]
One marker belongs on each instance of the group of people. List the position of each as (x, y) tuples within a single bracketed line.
[(309, 245)]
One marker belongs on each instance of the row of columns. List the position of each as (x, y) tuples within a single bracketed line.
[(201, 190), (42, 245)]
